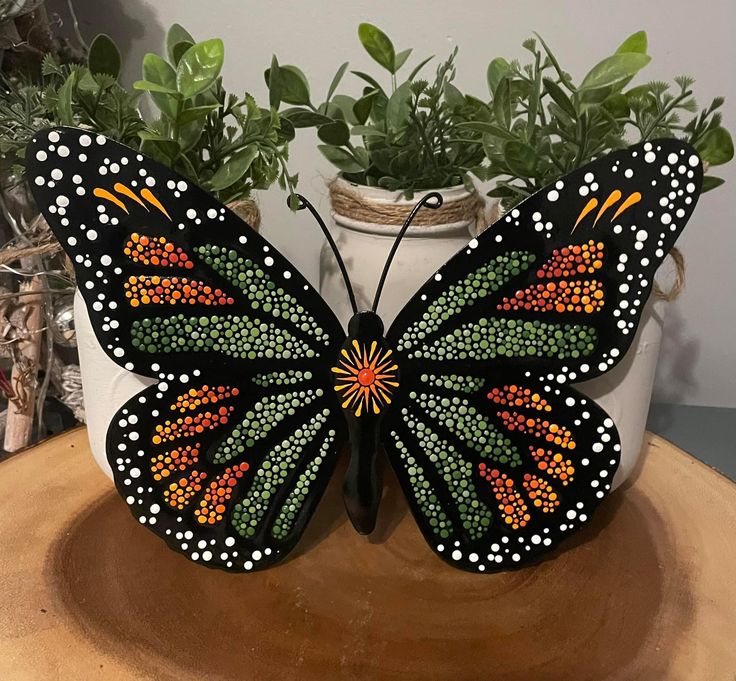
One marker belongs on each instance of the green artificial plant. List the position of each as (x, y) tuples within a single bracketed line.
[(544, 123), (402, 134)]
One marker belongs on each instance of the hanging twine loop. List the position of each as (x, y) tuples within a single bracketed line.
[(678, 284)]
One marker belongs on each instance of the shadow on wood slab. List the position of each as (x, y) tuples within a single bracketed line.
[(346, 607)]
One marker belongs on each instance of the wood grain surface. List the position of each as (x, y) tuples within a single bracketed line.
[(645, 592)]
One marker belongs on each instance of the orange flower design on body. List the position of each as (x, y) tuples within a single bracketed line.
[(366, 378)]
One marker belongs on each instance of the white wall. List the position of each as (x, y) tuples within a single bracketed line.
[(699, 361)]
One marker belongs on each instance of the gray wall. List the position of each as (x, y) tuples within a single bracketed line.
[(698, 365)]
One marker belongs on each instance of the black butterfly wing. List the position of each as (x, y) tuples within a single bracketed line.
[(226, 456), (499, 457)]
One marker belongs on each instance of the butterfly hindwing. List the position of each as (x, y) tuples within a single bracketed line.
[(227, 470), (549, 295), (226, 456)]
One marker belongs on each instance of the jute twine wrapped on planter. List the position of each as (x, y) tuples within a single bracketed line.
[(471, 209)]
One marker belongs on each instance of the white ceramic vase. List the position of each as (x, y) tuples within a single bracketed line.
[(624, 392)]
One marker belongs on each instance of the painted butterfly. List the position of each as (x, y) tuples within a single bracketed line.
[(259, 387)]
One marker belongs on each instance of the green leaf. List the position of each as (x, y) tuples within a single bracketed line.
[(398, 108), (636, 42), (520, 158), (104, 56), (419, 67), (157, 70), (711, 182), (336, 133), (304, 118), (361, 155), (367, 131), (559, 97), (617, 105), (234, 168), (401, 58), (368, 79), (336, 80), (293, 85), (345, 104), (180, 50), (488, 128), (340, 158), (453, 96), (162, 149), (177, 34), (199, 67), (502, 103), (362, 107), (614, 70), (378, 46), (497, 70), (715, 147), (153, 87), (194, 113), (64, 102), (273, 80)]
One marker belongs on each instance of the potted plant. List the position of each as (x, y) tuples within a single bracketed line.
[(544, 125), (225, 143), (398, 137)]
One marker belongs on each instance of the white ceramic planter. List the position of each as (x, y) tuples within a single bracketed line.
[(624, 392)]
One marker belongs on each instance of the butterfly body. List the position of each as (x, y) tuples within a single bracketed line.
[(365, 376), (257, 387)]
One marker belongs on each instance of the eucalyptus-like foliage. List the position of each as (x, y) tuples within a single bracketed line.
[(401, 135), (87, 95), (545, 125)]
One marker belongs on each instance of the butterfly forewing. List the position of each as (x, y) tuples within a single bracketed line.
[(227, 454), (486, 431)]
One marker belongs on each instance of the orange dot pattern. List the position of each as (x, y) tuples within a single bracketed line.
[(155, 290), (179, 493), (551, 432), (198, 397), (514, 510), (540, 493), (558, 296), (179, 459), (188, 426), (516, 396), (156, 250), (553, 464), (572, 261), (213, 505)]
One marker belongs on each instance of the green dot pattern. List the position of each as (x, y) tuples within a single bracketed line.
[(484, 281), (457, 474), (261, 420), (423, 492), (241, 337), (280, 378), (289, 512), (271, 474), (463, 384), (262, 292), (513, 338), (470, 426)]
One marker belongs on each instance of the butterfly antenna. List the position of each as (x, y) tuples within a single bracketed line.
[(432, 200), (301, 205)]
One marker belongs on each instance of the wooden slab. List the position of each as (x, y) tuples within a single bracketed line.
[(647, 592)]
